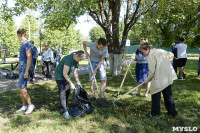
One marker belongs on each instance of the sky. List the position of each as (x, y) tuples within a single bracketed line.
[(85, 22)]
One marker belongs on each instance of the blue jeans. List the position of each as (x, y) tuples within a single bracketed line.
[(199, 66), (101, 70), (22, 83)]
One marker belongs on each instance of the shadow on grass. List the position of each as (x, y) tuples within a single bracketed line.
[(128, 116)]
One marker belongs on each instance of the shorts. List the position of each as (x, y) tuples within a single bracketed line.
[(101, 70), (181, 62), (22, 83)]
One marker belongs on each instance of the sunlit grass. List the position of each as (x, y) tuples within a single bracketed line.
[(128, 116)]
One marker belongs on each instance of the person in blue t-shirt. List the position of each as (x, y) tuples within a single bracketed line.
[(25, 61), (34, 55), (57, 55)]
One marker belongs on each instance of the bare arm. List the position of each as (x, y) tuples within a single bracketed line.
[(29, 59), (65, 74), (84, 47), (76, 75), (100, 63), (28, 65)]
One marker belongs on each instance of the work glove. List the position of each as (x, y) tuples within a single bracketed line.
[(79, 83), (72, 86)]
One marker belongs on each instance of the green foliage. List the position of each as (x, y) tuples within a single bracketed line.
[(168, 22), (69, 39), (8, 35), (95, 33), (34, 27)]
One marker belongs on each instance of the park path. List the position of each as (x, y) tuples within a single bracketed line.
[(7, 84)]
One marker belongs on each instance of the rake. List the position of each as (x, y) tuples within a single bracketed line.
[(113, 101)]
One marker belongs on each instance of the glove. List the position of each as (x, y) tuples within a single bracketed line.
[(72, 86), (79, 83)]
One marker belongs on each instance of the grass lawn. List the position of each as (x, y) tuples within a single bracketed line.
[(128, 116)]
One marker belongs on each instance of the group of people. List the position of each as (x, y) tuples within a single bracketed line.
[(153, 67)]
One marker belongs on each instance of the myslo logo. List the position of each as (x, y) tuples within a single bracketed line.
[(191, 129)]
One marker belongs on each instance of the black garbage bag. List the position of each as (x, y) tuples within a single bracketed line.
[(82, 104)]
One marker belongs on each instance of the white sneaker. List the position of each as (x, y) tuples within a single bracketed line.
[(30, 109), (66, 115), (22, 109)]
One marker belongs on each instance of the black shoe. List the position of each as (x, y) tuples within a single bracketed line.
[(184, 76), (136, 94), (173, 114), (93, 99), (103, 102)]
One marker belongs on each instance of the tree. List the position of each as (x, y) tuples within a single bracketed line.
[(169, 21), (34, 27), (107, 16), (9, 36), (105, 13), (67, 39), (95, 33)]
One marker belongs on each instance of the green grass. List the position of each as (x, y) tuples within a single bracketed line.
[(128, 116)]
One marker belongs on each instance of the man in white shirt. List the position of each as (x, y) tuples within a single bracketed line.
[(182, 57)]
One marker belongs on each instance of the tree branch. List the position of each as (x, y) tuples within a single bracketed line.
[(128, 11), (95, 17), (144, 12), (130, 24), (67, 26), (102, 12)]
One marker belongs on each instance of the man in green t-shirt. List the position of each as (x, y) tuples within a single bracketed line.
[(67, 66)]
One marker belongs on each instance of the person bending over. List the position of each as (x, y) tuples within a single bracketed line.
[(67, 66), (98, 53), (161, 74)]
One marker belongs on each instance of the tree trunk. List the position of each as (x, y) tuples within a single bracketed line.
[(116, 64)]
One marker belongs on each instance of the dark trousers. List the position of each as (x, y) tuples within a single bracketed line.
[(32, 73), (47, 73), (169, 102), (64, 94), (175, 65)]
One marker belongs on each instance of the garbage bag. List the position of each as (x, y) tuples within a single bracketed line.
[(82, 104), (6, 74)]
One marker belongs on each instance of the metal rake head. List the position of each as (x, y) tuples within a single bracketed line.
[(113, 103)]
